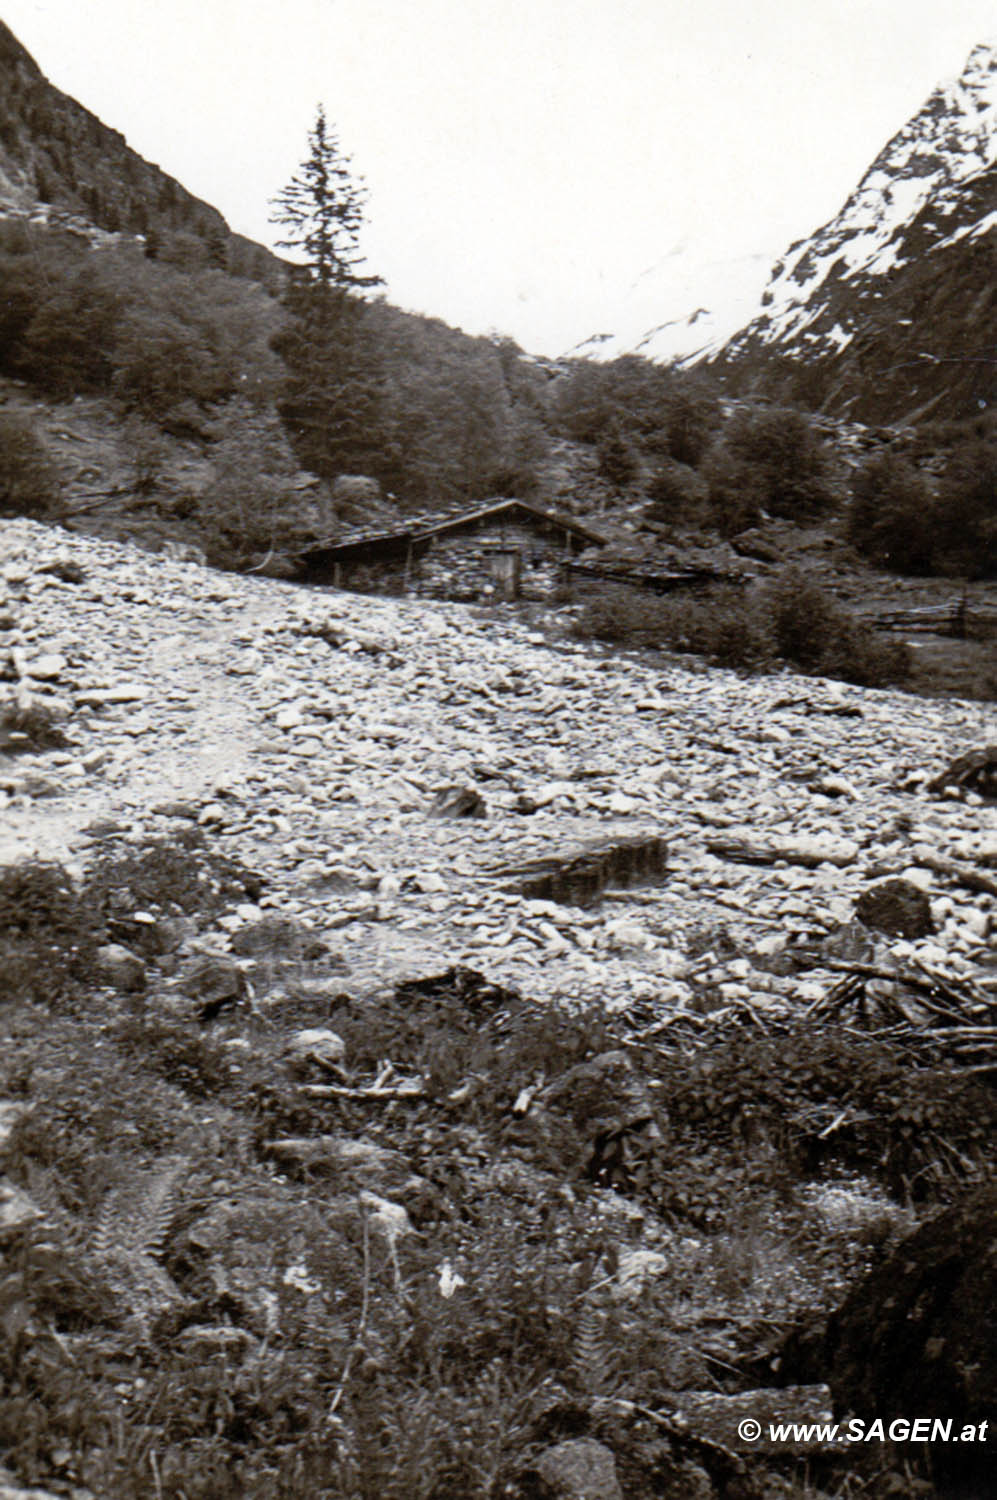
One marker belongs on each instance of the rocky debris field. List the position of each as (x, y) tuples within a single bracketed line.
[(309, 733), (443, 1058)]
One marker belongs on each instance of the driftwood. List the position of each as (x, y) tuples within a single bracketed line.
[(963, 1020), (743, 848)]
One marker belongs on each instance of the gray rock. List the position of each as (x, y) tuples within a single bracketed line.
[(356, 1162), (11, 1111), (897, 907), (214, 981), (458, 802), (315, 1048), (17, 1210), (918, 1335), (11, 1490), (716, 1418), (119, 966), (217, 1339), (579, 1469)]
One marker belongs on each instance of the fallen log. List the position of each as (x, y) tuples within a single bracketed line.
[(810, 852)]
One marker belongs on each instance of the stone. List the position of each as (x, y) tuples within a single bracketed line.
[(11, 1490), (975, 771), (118, 966), (458, 802), (11, 1112), (17, 1211), (713, 1417), (215, 981), (918, 1336), (46, 668), (124, 692), (359, 1162), (315, 1047), (578, 1469), (63, 568), (217, 1339), (896, 907), (579, 876)]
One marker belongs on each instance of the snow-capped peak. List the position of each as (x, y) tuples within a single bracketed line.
[(952, 139)]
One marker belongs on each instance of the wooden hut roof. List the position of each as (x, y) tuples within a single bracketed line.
[(421, 528)]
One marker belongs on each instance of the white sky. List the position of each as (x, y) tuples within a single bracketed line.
[(528, 161)]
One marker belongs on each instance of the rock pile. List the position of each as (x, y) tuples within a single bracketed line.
[(308, 733)]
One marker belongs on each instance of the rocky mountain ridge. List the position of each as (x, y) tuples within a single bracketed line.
[(890, 304), (62, 166)]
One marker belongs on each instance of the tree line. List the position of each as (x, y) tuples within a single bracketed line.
[(330, 378)]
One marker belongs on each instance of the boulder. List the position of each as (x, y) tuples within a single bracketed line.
[(315, 1048), (601, 1108), (17, 1211), (896, 907), (918, 1337), (578, 1469), (360, 1163), (118, 966), (215, 981), (458, 802)]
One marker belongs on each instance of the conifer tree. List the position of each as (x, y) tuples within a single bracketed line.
[(330, 404)]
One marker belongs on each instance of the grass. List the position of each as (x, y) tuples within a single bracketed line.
[(191, 1320)]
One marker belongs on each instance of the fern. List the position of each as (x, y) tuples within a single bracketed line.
[(141, 1223), (593, 1357)]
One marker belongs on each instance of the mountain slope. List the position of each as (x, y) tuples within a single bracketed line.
[(60, 164), (891, 304)]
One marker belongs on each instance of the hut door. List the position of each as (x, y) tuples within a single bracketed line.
[(506, 570)]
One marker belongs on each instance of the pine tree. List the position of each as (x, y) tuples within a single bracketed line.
[(330, 404), (322, 208)]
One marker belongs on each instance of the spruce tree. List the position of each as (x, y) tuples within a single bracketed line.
[(330, 405)]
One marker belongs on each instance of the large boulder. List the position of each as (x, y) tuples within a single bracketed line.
[(896, 907), (918, 1337), (579, 1469)]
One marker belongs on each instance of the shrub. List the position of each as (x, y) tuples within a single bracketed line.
[(29, 485), (47, 931), (792, 620), (735, 494), (617, 462), (677, 495), (814, 633), (775, 459), (723, 626), (249, 505), (965, 517), (890, 517)]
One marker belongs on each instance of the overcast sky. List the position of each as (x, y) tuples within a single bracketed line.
[(529, 161)]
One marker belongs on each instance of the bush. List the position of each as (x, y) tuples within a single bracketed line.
[(965, 516), (769, 460), (249, 506), (48, 932), (617, 461), (814, 633), (890, 518), (723, 626), (29, 485), (677, 495), (793, 619)]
